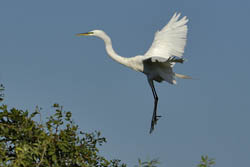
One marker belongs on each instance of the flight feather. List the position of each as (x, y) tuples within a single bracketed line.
[(170, 40)]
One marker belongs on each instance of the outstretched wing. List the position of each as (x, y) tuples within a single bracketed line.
[(171, 40)]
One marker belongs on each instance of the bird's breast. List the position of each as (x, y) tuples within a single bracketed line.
[(135, 64)]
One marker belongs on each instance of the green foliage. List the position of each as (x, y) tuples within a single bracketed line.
[(1, 92), (148, 163), (206, 162), (59, 143)]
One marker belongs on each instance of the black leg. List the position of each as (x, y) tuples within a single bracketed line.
[(154, 117)]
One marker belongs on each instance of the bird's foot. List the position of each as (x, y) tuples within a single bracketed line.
[(157, 117), (154, 122)]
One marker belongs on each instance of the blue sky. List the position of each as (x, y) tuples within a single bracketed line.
[(43, 62)]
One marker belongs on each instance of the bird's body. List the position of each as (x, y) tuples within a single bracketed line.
[(157, 63)]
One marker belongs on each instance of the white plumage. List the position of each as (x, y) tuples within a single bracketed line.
[(157, 63), (171, 40)]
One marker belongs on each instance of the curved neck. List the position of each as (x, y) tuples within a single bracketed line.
[(112, 53)]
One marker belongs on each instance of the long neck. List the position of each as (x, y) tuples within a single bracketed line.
[(112, 53)]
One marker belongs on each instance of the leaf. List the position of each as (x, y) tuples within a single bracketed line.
[(54, 158), (203, 158), (34, 114), (56, 105), (19, 149)]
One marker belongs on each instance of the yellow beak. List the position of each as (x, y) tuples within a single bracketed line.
[(84, 34)]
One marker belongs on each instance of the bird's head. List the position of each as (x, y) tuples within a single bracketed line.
[(97, 33)]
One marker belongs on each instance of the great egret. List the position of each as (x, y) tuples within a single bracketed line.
[(157, 63)]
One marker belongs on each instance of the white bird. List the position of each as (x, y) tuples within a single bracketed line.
[(157, 63)]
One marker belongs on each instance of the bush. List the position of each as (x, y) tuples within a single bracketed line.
[(58, 143)]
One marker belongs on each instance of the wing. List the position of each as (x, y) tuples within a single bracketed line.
[(171, 40), (154, 59)]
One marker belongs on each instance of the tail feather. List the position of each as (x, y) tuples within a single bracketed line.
[(169, 77), (182, 76)]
